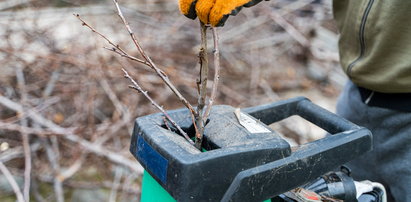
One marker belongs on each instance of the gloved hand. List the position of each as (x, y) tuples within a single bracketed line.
[(214, 12)]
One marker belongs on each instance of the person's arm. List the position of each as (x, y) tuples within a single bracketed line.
[(213, 12)]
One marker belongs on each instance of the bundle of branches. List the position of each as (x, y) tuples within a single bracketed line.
[(199, 114), (65, 113)]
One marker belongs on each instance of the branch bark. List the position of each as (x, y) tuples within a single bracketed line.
[(147, 60), (216, 52), (25, 137), (158, 71), (68, 134), (202, 86), (115, 47), (138, 88), (53, 158), (200, 114)]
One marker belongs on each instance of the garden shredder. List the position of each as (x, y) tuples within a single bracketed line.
[(242, 159)]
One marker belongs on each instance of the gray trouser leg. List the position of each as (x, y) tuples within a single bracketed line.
[(390, 161)]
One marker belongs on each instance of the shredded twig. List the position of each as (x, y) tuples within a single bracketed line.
[(138, 88)]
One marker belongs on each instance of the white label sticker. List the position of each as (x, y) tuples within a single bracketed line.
[(250, 124)]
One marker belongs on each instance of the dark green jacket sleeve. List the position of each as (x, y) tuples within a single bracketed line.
[(375, 43)]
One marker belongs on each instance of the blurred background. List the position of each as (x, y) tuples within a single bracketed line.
[(66, 113)]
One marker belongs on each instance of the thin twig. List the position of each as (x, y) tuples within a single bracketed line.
[(53, 158), (52, 151), (51, 83), (130, 31), (197, 116), (158, 71), (113, 129), (100, 34), (116, 184), (35, 191), (137, 87), (111, 94), (127, 183), (202, 82), (25, 137), (119, 106), (289, 28), (166, 123), (70, 171), (122, 54), (17, 152), (68, 134), (12, 182), (295, 5), (118, 173), (115, 47), (23, 129), (216, 73)]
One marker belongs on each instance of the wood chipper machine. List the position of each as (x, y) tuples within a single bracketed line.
[(245, 160)]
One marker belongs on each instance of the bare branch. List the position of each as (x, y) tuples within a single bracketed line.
[(116, 184), (100, 34), (12, 182), (290, 29), (17, 152), (25, 137), (216, 73), (53, 158), (118, 173), (70, 171), (122, 54), (158, 71), (68, 134), (116, 48), (166, 123), (137, 87), (132, 35), (24, 129), (202, 83)]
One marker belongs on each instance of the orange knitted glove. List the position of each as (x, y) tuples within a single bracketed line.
[(214, 12)]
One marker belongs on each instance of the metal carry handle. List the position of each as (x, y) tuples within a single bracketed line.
[(303, 107), (309, 161)]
